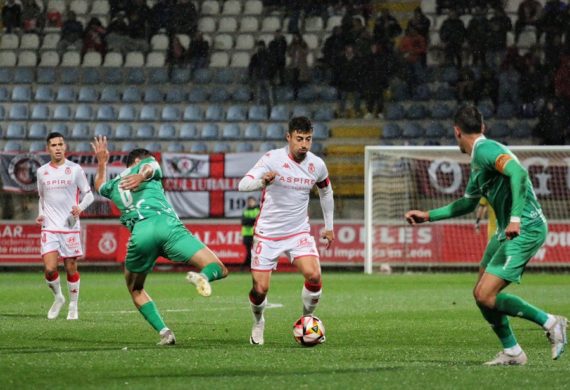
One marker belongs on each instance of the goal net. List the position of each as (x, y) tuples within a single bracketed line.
[(400, 178)]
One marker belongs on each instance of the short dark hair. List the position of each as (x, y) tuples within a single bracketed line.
[(469, 119), (300, 124), (137, 153), (54, 134)]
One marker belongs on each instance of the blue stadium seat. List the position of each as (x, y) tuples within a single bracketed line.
[(450, 75), (13, 146), (521, 129), (22, 93), (486, 108), (65, 93), (257, 113), (317, 148), (231, 131), (193, 113), (128, 146), (210, 131), (166, 131), (6, 75), (132, 95), (308, 93), (16, 131), (87, 95), (499, 130), (18, 112), (83, 147), (24, 75), (170, 113), (91, 76), (180, 76), (435, 130), (197, 95), (219, 94), (40, 112), (236, 113), (215, 112), (283, 94), (153, 147), (127, 113), (329, 94), (103, 129), (275, 131), (175, 95), (279, 112), (444, 92), (440, 110), (391, 130), (60, 128), (242, 94), (145, 132), (46, 76), (320, 131), (153, 95), (37, 131), (506, 111), (4, 95), (224, 76), (106, 113), (188, 131), (324, 113), (2, 113), (124, 131), (37, 147), (399, 92), (69, 75), (422, 93), (244, 147), (80, 131), (157, 75), (253, 131), (416, 111), (301, 111), (44, 93), (221, 147), (175, 147), (135, 76), (202, 76), (412, 130), (266, 146), (112, 75), (199, 147), (149, 113), (84, 112)]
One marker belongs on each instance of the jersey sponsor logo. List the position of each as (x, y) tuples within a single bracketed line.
[(502, 161), (296, 180), (72, 243), (23, 170), (108, 243), (311, 167)]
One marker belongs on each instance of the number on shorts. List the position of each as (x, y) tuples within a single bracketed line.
[(258, 248)]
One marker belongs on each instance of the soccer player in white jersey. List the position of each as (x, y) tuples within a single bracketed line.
[(60, 184), (286, 177)]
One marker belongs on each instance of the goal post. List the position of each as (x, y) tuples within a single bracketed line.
[(400, 178)]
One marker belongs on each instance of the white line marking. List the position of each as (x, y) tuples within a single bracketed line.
[(269, 306)]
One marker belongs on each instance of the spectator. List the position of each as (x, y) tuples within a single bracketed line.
[(94, 37), (277, 51), (333, 49), (71, 34), (360, 38), (116, 6), (412, 48), (298, 51), (499, 25), (477, 31), (184, 18), (553, 48), (199, 52), (118, 34), (452, 34), (138, 15), (421, 23), (348, 70), (487, 86), (532, 82), (562, 82), (11, 16), (529, 14), (31, 16), (552, 126), (509, 82), (160, 15), (553, 23), (378, 68), (53, 18), (465, 85), (259, 73), (176, 55), (386, 29)]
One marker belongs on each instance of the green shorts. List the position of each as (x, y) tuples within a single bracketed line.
[(507, 259), (160, 235)]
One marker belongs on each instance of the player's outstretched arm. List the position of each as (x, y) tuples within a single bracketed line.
[(99, 146), (250, 183), (417, 216)]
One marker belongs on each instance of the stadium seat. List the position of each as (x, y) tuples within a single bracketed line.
[(180, 75), (240, 59), (486, 108), (15, 131), (110, 94), (112, 75), (175, 95), (257, 113), (391, 130), (6, 74), (153, 95), (253, 7), (128, 146), (412, 130), (202, 76), (253, 132), (270, 24), (320, 131), (188, 131), (266, 146), (506, 111), (84, 112), (135, 75), (100, 7), (80, 131), (103, 129), (275, 131), (9, 42), (87, 95), (301, 111), (40, 112), (157, 75), (284, 94), (223, 42), (215, 112), (231, 7), (127, 113), (62, 112), (421, 93), (242, 94), (13, 146), (22, 93), (166, 131), (193, 113), (124, 131), (197, 95), (8, 59), (68, 75), (235, 113), (60, 128), (249, 24), (37, 147), (2, 115), (91, 76), (49, 58), (155, 60), (394, 111), (210, 7), (244, 147), (170, 113), (333, 22), (199, 147), (27, 58), (18, 112), (159, 42), (175, 147), (145, 132), (329, 94), (499, 130), (324, 113), (440, 110), (444, 92), (308, 93), (521, 130), (106, 113), (210, 131), (231, 131), (416, 111), (221, 147), (83, 147), (279, 112), (219, 95), (24, 75), (435, 130), (134, 59), (149, 113), (5, 96), (153, 147), (132, 95), (244, 42), (38, 131), (207, 24), (219, 60), (317, 148), (46, 76), (43, 93)]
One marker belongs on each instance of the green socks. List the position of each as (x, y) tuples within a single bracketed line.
[(501, 326), (518, 307), (150, 313), (212, 271)]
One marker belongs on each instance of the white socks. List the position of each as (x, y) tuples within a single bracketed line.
[(549, 322), (55, 287), (310, 300), (73, 288), (257, 310), (513, 351)]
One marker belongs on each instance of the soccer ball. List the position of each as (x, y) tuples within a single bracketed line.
[(309, 331)]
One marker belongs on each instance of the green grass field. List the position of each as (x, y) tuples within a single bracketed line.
[(398, 331)]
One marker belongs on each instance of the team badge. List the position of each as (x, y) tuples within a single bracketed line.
[(311, 167), (68, 171)]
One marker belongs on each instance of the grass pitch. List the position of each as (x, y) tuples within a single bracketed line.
[(398, 331)]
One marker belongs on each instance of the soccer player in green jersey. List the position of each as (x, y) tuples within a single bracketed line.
[(155, 231), (497, 174)]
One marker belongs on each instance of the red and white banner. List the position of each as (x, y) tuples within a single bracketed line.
[(434, 243)]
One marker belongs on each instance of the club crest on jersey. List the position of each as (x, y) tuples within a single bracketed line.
[(68, 171), (311, 167)]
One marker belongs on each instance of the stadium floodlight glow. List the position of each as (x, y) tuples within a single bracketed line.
[(400, 178)]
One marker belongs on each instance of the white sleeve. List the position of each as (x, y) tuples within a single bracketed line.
[(40, 207), (83, 185), (327, 204), (88, 198), (249, 183)]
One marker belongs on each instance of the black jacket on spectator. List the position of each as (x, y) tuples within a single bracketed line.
[(453, 32), (499, 25)]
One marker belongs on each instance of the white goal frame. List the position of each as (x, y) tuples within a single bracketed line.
[(368, 176)]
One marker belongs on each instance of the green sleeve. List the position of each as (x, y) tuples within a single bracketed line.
[(105, 189), (519, 177), (455, 209)]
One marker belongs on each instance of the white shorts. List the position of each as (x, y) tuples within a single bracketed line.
[(265, 252), (66, 244)]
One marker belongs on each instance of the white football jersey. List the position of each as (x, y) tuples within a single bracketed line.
[(284, 202), (59, 188)]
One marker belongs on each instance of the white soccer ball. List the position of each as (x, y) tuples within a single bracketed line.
[(309, 331)]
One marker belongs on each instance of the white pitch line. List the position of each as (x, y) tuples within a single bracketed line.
[(269, 306)]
